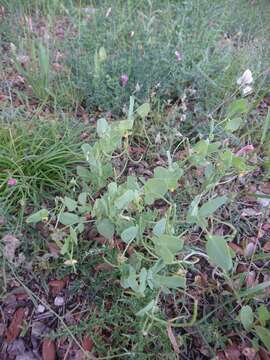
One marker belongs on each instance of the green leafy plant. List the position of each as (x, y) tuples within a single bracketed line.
[(258, 323), (153, 255)]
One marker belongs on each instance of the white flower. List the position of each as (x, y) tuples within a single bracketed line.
[(246, 78), (247, 90)]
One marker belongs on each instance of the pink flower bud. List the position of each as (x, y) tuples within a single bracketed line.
[(12, 182), (123, 80), (178, 56)]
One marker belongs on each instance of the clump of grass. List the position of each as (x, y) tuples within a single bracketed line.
[(40, 157)]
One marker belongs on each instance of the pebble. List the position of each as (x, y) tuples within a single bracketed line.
[(40, 308), (59, 301)]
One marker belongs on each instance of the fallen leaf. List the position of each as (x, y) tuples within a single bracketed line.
[(172, 339), (48, 350), (249, 353), (250, 279), (265, 188), (221, 355), (263, 201), (56, 286), (2, 329), (241, 268), (236, 248), (87, 343), (266, 246), (245, 150), (250, 212), (15, 347), (264, 355), (232, 352), (103, 266), (15, 326), (11, 243), (266, 227), (249, 249), (28, 355), (2, 218), (53, 249), (39, 329)]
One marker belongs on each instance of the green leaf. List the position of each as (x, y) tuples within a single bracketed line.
[(171, 282), (239, 106), (82, 198), (105, 228), (219, 252), (129, 234), (264, 335), (173, 243), (246, 317), (167, 246), (70, 203), (67, 218), (193, 211), (149, 307), (233, 124), (102, 127), (264, 314), (143, 110), (124, 200), (266, 127), (142, 277), (130, 280), (212, 205), (102, 54), (154, 189), (160, 227), (41, 215), (170, 175), (84, 173), (164, 252)]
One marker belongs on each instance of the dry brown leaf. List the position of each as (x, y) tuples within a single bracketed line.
[(87, 343), (266, 227), (236, 248), (232, 352), (11, 243), (172, 339), (265, 188), (266, 246), (241, 268), (250, 249), (53, 249), (15, 326), (221, 356), (250, 212), (48, 350), (264, 355), (250, 279), (103, 266), (249, 353), (56, 286)]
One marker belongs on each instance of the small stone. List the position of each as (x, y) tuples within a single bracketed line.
[(59, 301), (40, 308)]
